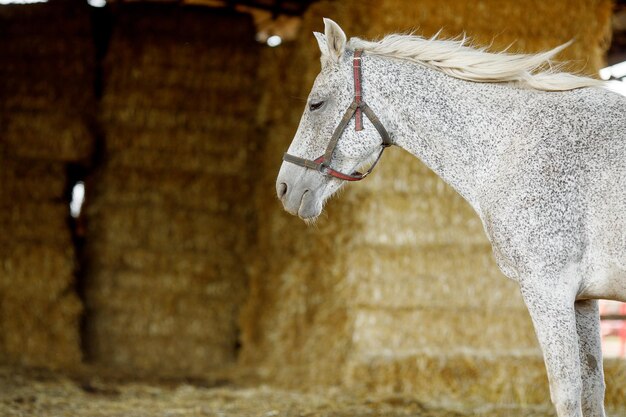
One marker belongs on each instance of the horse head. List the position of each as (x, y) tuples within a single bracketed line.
[(344, 138)]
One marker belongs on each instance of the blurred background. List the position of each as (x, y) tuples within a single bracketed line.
[(147, 268)]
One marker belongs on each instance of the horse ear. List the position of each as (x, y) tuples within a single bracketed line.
[(321, 41), (335, 38)]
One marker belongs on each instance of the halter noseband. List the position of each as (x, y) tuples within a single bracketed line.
[(357, 108)]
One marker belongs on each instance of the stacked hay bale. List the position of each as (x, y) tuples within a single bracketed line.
[(45, 99), (296, 322), (396, 290), (169, 215)]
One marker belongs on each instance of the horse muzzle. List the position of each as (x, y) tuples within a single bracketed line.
[(299, 198)]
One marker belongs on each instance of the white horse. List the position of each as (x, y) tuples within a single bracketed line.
[(540, 155)]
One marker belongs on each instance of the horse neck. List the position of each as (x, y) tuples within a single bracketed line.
[(455, 127)]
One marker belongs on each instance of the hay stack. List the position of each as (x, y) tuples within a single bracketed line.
[(47, 79), (45, 98), (39, 309), (397, 288), (170, 214)]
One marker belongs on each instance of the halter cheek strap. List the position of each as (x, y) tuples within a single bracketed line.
[(357, 108), (356, 71)]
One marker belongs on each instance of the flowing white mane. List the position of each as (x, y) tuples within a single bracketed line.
[(458, 59)]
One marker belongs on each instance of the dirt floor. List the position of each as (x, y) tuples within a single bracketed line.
[(34, 392)]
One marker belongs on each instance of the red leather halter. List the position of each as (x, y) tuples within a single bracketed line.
[(356, 109)]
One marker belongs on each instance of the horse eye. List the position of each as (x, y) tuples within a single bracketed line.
[(315, 106)]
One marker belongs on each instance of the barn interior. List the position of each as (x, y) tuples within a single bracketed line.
[(147, 268)]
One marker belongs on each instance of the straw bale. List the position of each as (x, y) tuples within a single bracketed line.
[(402, 238), (45, 116), (41, 332), (178, 269), (57, 21), (160, 355), (615, 378), (406, 177), (384, 330), (39, 309), (185, 140), (35, 222), (181, 77), (170, 216), (182, 230), (30, 213), (46, 17), (424, 221), (167, 97), (452, 276), (29, 47), (148, 40), (42, 95), (303, 315), (28, 180), (216, 326), (36, 269), (189, 24), (47, 135), (134, 108), (470, 378), (167, 119), (58, 69), (216, 299), (166, 189), (187, 56), (164, 325), (232, 163), (213, 284)]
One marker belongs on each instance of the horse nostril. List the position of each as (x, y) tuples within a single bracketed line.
[(282, 190)]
